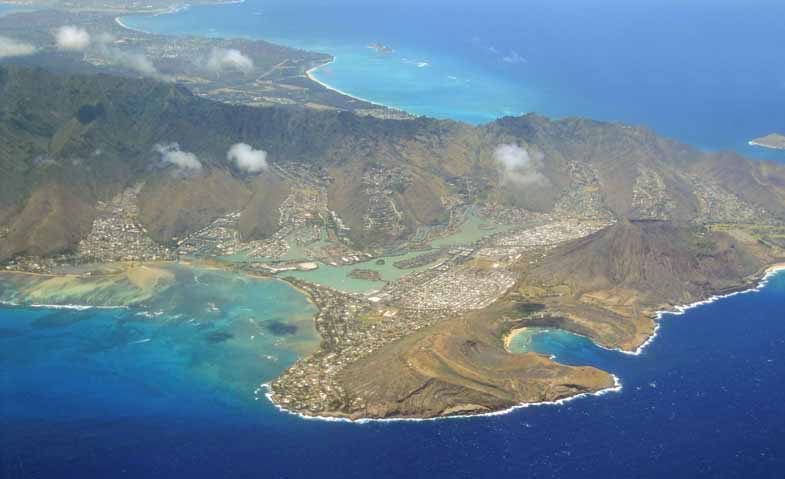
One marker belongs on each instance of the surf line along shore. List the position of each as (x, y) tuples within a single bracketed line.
[(617, 387), (754, 282), (169, 11), (311, 75), (763, 278)]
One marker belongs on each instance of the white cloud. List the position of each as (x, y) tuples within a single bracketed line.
[(72, 38), (514, 58), (247, 159), (78, 39), (137, 62), (222, 59), (12, 48), (183, 160), (134, 61), (518, 167)]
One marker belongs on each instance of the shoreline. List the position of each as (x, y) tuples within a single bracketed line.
[(512, 333), (125, 266), (765, 275), (119, 22), (72, 307), (763, 279), (123, 11), (768, 147), (167, 11), (309, 74), (617, 387)]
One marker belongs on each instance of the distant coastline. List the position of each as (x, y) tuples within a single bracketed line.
[(310, 73), (32, 5), (773, 141), (119, 22), (168, 11)]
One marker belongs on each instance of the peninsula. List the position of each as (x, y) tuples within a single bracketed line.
[(380, 48), (586, 226), (774, 141), (238, 71), (154, 7)]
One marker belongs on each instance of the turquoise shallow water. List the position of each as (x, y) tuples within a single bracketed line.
[(547, 341), (212, 337), (82, 397), (471, 231)]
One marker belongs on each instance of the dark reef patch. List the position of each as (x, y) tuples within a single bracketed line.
[(8, 333), (60, 319), (90, 113), (218, 337), (279, 328), (529, 308)]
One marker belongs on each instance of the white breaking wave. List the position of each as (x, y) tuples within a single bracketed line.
[(682, 309), (617, 387), (74, 307)]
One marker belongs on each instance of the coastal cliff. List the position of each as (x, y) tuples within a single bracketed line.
[(610, 293)]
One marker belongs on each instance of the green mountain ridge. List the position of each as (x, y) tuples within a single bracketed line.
[(94, 135)]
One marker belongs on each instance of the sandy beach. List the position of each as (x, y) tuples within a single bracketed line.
[(310, 73), (510, 336), (775, 268)]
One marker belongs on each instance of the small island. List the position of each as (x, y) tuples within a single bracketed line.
[(775, 141), (380, 48), (365, 274)]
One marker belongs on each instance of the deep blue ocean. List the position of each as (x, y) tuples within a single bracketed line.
[(167, 389)]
